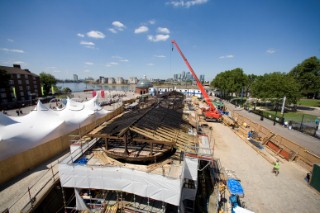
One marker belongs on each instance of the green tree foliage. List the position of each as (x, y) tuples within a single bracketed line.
[(67, 90), (308, 75), (250, 80), (230, 81), (47, 80), (275, 86)]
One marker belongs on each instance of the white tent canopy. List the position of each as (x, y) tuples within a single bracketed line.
[(18, 134)]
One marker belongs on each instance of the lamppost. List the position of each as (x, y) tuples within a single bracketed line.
[(275, 116)]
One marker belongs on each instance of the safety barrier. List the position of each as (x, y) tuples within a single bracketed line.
[(278, 144)]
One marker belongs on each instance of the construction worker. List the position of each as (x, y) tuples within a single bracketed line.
[(276, 167), (250, 134)]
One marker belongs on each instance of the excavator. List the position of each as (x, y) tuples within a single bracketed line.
[(211, 114)]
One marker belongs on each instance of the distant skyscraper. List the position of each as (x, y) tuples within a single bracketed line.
[(133, 80), (183, 75), (75, 77), (119, 80), (201, 78)]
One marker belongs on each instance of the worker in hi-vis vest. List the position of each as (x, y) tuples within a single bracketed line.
[(276, 167)]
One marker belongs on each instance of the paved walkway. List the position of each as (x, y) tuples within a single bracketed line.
[(264, 192), (14, 195), (312, 144)]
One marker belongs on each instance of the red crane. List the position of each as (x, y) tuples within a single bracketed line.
[(212, 113)]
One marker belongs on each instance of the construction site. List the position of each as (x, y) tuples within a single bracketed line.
[(163, 153), (145, 160)]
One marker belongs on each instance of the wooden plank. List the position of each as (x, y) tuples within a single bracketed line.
[(157, 165), (142, 140), (106, 136), (146, 133)]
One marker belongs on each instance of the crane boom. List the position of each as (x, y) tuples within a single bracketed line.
[(213, 112)]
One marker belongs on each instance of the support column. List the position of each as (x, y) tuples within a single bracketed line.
[(125, 139)]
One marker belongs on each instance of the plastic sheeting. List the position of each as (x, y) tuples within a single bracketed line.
[(235, 187), (144, 184), (191, 168), (150, 185), (80, 205), (239, 209)]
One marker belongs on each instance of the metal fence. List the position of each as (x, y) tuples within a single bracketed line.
[(308, 123), (28, 198)]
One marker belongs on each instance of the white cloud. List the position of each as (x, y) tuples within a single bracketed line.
[(158, 38), (18, 62), (226, 56), (118, 25), (10, 40), (86, 71), (270, 51), (95, 34), (80, 35), (163, 30), (152, 21), (12, 50), (141, 29), (112, 30), (150, 64), (53, 69), (160, 56), (186, 3), (87, 43), (120, 58), (112, 64), (88, 63)]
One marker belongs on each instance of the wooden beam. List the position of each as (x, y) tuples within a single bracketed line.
[(141, 140), (102, 135)]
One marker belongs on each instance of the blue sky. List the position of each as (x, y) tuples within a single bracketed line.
[(132, 38)]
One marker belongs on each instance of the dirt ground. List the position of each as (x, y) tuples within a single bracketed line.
[(264, 192)]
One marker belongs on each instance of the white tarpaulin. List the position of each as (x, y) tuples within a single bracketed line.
[(239, 209), (191, 168), (79, 201), (144, 184)]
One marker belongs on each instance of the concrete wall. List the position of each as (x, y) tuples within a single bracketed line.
[(15, 165)]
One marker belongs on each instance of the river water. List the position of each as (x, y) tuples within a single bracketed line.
[(79, 87)]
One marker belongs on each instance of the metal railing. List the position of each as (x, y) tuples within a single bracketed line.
[(28, 199)]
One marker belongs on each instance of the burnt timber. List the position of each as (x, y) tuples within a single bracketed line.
[(149, 134)]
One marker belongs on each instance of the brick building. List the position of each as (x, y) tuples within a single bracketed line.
[(21, 87), (142, 87)]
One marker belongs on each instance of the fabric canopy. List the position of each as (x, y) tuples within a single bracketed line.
[(18, 134)]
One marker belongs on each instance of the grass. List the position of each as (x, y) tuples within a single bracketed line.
[(295, 116), (309, 102)]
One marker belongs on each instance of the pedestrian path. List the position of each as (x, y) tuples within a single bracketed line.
[(263, 191), (310, 143)]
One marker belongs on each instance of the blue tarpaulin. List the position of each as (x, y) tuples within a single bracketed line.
[(235, 187), (81, 161)]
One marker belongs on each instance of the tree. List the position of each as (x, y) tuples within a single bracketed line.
[(47, 81), (308, 75), (230, 81), (275, 86), (67, 90), (250, 80)]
